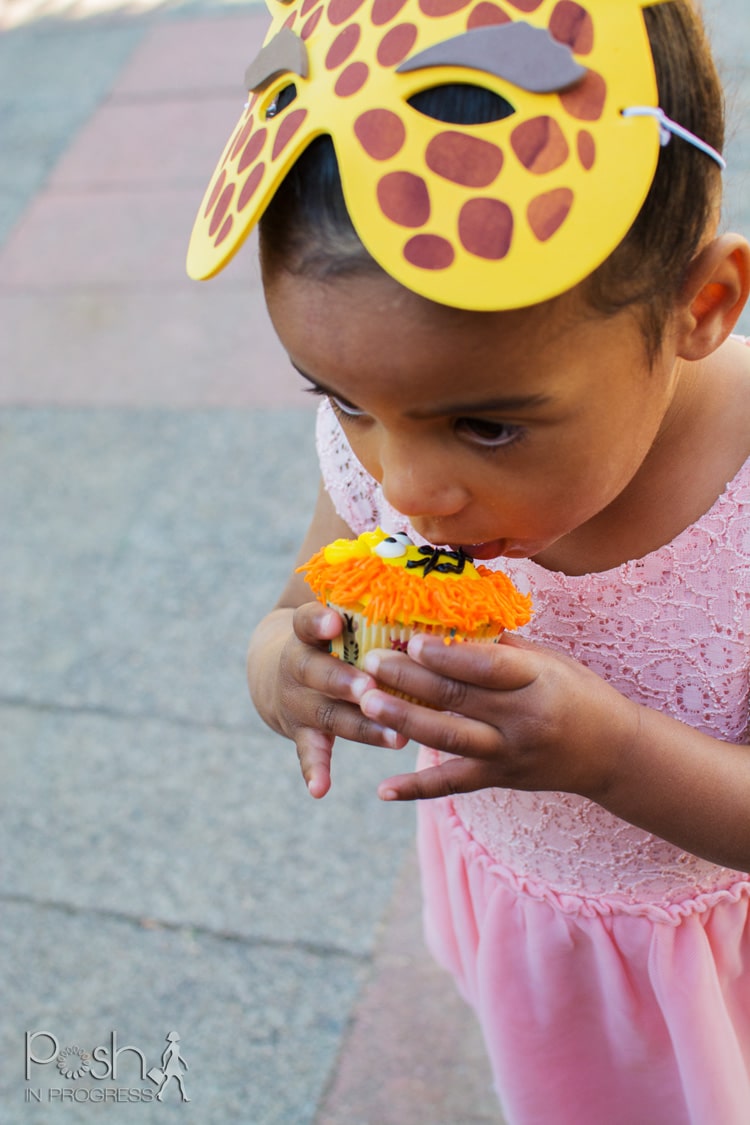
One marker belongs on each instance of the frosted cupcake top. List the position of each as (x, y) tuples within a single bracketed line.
[(389, 579)]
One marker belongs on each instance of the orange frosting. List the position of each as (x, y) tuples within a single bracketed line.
[(476, 600)]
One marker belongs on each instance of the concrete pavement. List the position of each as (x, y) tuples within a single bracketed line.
[(161, 866)]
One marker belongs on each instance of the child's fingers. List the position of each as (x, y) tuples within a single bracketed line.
[(332, 717), (333, 678), (399, 673), (314, 627), (315, 623), (469, 678), (459, 775), (315, 746), (507, 666), (322, 694), (314, 752), (455, 734)]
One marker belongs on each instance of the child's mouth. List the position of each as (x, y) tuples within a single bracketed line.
[(482, 551)]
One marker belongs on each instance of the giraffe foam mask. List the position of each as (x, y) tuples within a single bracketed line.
[(490, 216)]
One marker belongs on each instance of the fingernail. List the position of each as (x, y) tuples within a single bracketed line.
[(415, 646), (387, 794), (359, 686), (370, 705), (391, 737), (371, 663)]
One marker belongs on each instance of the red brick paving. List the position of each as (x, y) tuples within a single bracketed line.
[(94, 298)]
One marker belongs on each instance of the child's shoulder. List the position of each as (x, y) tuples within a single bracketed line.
[(729, 367), (727, 373), (732, 362), (714, 444), (743, 341)]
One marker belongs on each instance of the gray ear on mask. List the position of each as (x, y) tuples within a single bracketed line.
[(517, 52), (284, 54)]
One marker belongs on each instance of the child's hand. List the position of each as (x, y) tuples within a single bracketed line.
[(317, 697), (521, 717)]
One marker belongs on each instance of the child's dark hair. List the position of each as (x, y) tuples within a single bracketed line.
[(306, 228)]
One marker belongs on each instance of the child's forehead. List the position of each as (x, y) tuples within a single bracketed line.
[(497, 215), (367, 328)]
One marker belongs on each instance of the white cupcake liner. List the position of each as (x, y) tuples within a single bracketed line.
[(360, 636)]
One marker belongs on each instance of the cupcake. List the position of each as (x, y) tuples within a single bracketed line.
[(386, 589)]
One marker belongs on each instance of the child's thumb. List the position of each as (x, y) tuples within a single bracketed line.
[(314, 623)]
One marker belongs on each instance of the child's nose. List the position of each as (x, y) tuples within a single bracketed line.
[(417, 481)]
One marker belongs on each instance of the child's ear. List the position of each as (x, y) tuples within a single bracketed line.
[(713, 295)]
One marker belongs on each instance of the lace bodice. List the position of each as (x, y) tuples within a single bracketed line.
[(669, 631)]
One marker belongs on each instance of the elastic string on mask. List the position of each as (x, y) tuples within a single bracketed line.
[(668, 128)]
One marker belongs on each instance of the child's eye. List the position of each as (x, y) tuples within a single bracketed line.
[(492, 435), (340, 405), (346, 408)]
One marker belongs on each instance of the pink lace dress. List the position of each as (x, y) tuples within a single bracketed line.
[(610, 970)]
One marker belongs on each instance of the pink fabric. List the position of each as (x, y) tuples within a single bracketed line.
[(610, 971), (592, 1017)]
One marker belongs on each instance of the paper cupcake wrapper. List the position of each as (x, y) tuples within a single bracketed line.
[(360, 636)]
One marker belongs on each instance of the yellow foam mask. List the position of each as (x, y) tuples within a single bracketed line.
[(491, 216)]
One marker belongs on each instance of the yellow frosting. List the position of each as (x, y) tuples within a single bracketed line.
[(343, 550)]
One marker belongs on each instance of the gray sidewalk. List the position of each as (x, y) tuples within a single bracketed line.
[(161, 865)]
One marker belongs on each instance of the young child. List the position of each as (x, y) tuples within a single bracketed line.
[(503, 276)]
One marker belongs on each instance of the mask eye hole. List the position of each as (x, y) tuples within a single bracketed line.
[(284, 98), (461, 104)]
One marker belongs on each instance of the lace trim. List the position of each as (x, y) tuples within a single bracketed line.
[(603, 906), (577, 849)]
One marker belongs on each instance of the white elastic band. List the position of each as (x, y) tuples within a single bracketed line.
[(667, 127)]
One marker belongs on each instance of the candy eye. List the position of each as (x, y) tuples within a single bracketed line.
[(402, 537), (394, 547)]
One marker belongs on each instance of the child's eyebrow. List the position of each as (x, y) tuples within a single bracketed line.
[(505, 404), (527, 56)]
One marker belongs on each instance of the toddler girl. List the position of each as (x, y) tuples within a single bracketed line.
[(503, 277)]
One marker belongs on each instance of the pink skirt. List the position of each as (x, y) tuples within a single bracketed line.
[(592, 1014)]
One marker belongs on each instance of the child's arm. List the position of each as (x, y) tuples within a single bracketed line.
[(298, 688), (528, 718)]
